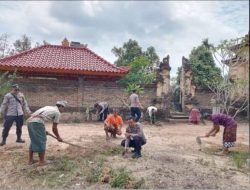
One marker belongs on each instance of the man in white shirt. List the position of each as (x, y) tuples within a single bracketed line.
[(102, 110), (37, 131), (135, 106), (151, 110)]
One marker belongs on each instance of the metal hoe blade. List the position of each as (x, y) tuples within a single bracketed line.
[(198, 140)]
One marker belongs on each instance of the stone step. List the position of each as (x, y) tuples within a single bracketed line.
[(178, 120), (178, 113), (179, 116)]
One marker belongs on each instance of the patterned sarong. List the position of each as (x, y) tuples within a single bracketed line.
[(229, 136), (38, 137)]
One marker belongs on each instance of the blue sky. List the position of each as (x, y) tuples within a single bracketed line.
[(172, 27)]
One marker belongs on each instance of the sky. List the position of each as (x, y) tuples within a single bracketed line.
[(173, 28)]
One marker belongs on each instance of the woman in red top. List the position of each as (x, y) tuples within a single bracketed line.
[(195, 115)]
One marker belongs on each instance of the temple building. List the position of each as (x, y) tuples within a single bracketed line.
[(73, 72)]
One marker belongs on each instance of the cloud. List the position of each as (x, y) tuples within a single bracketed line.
[(172, 27)]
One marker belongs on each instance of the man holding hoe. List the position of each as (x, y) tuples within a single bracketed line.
[(134, 137), (37, 131)]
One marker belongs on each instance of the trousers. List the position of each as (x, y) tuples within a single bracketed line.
[(8, 122)]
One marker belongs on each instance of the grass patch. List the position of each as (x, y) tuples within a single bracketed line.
[(120, 178), (117, 150), (59, 174), (67, 171), (64, 164), (94, 169), (239, 159)]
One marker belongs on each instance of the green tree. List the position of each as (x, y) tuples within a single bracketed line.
[(131, 87), (139, 73), (175, 86), (6, 80), (4, 45), (127, 53), (131, 50), (22, 44), (178, 76), (152, 57), (204, 70), (138, 76), (175, 89)]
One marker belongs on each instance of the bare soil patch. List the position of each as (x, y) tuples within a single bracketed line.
[(171, 159)]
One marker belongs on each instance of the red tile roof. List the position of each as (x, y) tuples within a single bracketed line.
[(62, 60)]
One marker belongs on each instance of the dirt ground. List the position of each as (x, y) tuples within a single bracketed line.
[(170, 159)]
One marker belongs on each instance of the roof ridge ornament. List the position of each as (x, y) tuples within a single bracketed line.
[(65, 42)]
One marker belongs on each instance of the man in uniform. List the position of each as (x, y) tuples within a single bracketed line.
[(13, 106)]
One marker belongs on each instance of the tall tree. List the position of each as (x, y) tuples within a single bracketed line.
[(175, 86), (232, 93), (6, 79), (127, 53), (153, 58), (131, 50), (22, 44), (203, 66), (178, 75), (138, 73), (142, 66), (138, 76), (4, 45)]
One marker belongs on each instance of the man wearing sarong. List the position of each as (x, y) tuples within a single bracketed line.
[(113, 124), (230, 128), (37, 131), (134, 137)]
